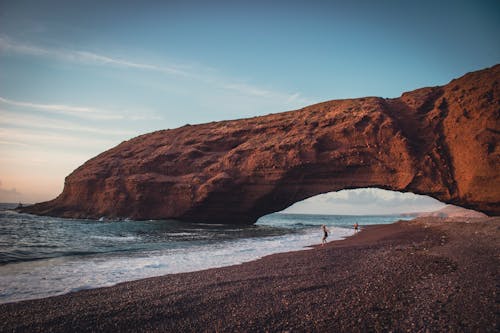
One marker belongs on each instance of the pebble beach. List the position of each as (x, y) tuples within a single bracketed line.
[(429, 274)]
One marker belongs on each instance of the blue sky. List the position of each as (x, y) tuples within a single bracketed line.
[(78, 77)]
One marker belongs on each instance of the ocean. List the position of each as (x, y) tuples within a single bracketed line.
[(45, 256)]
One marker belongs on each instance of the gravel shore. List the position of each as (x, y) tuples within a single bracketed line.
[(429, 274)]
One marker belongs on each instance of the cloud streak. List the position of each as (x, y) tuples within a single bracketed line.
[(26, 121), (84, 112), (199, 74), (9, 136), (79, 111), (7, 44)]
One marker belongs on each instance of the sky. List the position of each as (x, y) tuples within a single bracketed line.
[(79, 77), (365, 201)]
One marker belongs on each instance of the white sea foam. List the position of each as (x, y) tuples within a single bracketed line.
[(179, 234), (116, 238), (43, 278)]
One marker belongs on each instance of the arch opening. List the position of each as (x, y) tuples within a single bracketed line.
[(372, 201), (366, 201)]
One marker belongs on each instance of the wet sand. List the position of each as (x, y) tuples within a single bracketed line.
[(425, 275)]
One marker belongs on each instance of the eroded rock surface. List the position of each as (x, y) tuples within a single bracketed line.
[(438, 141)]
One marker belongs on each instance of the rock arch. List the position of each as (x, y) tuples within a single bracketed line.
[(438, 141)]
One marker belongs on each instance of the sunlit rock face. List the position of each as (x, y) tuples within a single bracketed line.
[(438, 141)]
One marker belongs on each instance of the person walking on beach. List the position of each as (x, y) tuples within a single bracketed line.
[(325, 234), (356, 227)]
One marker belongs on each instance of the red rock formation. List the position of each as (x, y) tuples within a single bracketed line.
[(439, 141)]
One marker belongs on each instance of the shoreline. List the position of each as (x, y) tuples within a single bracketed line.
[(338, 233), (421, 274)]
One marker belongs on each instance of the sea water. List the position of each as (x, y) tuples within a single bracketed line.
[(45, 256)]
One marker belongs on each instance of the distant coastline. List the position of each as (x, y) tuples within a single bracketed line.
[(12, 205)]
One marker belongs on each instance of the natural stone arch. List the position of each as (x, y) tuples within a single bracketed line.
[(439, 141)]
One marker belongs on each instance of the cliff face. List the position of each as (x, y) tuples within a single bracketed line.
[(439, 141)]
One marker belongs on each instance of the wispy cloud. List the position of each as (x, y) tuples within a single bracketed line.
[(97, 58), (8, 44), (84, 112), (35, 122), (206, 75), (252, 90), (10, 136), (13, 143), (247, 89), (79, 111)]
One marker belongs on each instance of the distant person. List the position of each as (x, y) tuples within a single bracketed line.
[(325, 234), (356, 227)]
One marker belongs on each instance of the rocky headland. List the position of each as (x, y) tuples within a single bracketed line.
[(439, 141), (451, 212)]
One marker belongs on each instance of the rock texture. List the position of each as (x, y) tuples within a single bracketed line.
[(438, 141)]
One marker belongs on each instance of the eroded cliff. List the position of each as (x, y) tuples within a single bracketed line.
[(439, 141)]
